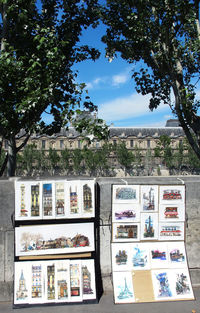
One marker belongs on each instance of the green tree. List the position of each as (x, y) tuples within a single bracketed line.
[(53, 160), (77, 160), (124, 157), (26, 160), (164, 35), (38, 48), (65, 160), (164, 150)]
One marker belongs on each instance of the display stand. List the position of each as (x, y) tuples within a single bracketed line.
[(149, 260), (56, 259)]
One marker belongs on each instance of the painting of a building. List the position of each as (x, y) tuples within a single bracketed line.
[(87, 198), (35, 194), (23, 211), (51, 282), (47, 199), (22, 292), (149, 228), (60, 196), (74, 209), (36, 281), (86, 277), (75, 280), (127, 231)]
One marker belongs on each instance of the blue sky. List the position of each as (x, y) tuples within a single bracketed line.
[(112, 89)]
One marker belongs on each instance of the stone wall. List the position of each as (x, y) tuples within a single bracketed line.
[(192, 184)]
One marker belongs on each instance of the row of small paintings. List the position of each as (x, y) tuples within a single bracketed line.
[(54, 199), (148, 229), (148, 196), (145, 256), (126, 212), (54, 239), (165, 285), (58, 281)]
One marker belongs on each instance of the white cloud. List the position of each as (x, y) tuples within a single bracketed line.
[(128, 107), (120, 79)]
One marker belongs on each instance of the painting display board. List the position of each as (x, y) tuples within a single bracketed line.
[(55, 254), (149, 260)]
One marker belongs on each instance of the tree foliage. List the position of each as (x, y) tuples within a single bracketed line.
[(39, 46), (165, 36)]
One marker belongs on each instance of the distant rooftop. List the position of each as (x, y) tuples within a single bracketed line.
[(172, 123)]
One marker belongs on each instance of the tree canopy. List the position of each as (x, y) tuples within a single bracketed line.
[(164, 35), (39, 45)]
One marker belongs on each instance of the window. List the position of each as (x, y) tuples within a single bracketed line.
[(79, 144), (148, 143), (114, 142), (61, 144), (43, 144), (131, 143)]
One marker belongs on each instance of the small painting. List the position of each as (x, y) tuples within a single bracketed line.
[(172, 194), (177, 254), (76, 293), (48, 200), (88, 279), (126, 212), (125, 193), (60, 191), (161, 285), (172, 213), (22, 288), (87, 191), (54, 239), (149, 226), (62, 281), (158, 255), (149, 198), (125, 232), (121, 257), (123, 287), (183, 288), (171, 231), (73, 198), (139, 253)]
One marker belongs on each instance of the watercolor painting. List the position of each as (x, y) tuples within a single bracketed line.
[(149, 226), (140, 256), (60, 198), (171, 231), (161, 285), (158, 255), (172, 194), (125, 212), (88, 279), (172, 213), (123, 287), (183, 288), (149, 198), (177, 254), (121, 258), (88, 203), (54, 239), (125, 232), (125, 193)]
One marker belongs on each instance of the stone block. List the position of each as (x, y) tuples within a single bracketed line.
[(9, 255)]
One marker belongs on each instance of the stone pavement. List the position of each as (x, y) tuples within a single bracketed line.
[(106, 305)]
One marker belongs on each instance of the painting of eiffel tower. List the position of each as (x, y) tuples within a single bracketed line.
[(125, 293)]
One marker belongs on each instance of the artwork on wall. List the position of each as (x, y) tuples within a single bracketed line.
[(54, 239), (172, 213), (123, 287), (125, 194), (177, 254), (125, 232), (149, 226), (126, 212), (54, 281), (149, 198), (121, 256), (54, 199), (139, 254)]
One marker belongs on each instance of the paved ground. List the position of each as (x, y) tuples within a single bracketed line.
[(106, 305)]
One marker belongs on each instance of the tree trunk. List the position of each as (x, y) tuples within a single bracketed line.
[(12, 153)]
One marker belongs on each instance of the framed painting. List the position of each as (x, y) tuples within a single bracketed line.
[(28, 204), (60, 199), (48, 199), (162, 285), (123, 287), (22, 283), (73, 199), (54, 239), (121, 256), (182, 288), (88, 279), (62, 286), (123, 232), (87, 198), (172, 194), (125, 193), (171, 231), (140, 258), (149, 198), (125, 212), (177, 254), (76, 291), (149, 226), (172, 212), (158, 255)]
